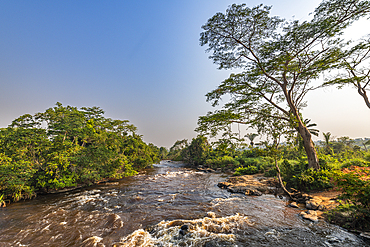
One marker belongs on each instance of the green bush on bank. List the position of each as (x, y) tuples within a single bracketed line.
[(354, 211), (356, 162), (297, 175), (249, 170), (222, 162)]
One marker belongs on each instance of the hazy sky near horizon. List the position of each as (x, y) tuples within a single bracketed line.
[(138, 60)]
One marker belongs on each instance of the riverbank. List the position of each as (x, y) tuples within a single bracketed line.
[(312, 206)]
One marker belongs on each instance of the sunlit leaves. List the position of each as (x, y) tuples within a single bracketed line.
[(65, 146)]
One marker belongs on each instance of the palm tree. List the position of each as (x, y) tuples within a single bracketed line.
[(251, 137), (327, 136), (315, 132), (309, 126)]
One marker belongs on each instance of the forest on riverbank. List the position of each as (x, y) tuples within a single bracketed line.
[(65, 147)]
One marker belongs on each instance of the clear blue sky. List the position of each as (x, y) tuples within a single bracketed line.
[(138, 60)]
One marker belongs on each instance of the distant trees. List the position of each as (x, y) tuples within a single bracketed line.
[(65, 146), (280, 60)]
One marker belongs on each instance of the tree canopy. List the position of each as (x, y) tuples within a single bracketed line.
[(280, 62), (66, 146)]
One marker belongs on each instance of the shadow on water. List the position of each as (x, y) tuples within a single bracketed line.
[(162, 200)]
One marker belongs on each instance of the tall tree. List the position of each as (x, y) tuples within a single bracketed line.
[(280, 60)]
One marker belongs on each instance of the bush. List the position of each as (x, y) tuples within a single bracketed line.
[(298, 176), (222, 162), (328, 162), (356, 188), (354, 212), (254, 153), (313, 180), (249, 170), (262, 163), (355, 162), (270, 173), (367, 157)]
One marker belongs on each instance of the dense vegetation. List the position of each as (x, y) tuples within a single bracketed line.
[(343, 165), (279, 62), (65, 147)]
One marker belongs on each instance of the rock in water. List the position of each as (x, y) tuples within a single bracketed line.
[(309, 215), (293, 205), (313, 203), (183, 230)]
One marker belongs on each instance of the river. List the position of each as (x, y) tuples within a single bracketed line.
[(149, 210)]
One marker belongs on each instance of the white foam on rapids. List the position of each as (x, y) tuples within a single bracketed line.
[(201, 231)]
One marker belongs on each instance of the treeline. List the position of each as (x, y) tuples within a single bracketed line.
[(243, 159), (65, 147)]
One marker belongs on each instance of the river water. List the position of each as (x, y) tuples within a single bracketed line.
[(150, 209)]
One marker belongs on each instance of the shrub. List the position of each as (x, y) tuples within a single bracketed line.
[(356, 188), (249, 170), (367, 157), (313, 180), (270, 173), (221, 162), (355, 162), (354, 212), (298, 176), (15, 179)]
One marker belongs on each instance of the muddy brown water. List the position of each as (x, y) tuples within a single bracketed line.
[(149, 210)]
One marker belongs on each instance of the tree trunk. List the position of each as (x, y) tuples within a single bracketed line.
[(362, 92), (313, 161)]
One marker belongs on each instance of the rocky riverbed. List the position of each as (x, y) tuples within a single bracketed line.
[(313, 204)]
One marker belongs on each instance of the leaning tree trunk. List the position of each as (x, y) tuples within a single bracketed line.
[(313, 161)]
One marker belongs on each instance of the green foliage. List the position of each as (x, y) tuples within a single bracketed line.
[(66, 146), (354, 212), (356, 189), (254, 153), (297, 175), (328, 162), (249, 170), (15, 178), (356, 162), (271, 172), (367, 157), (222, 162), (197, 152), (176, 150)]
